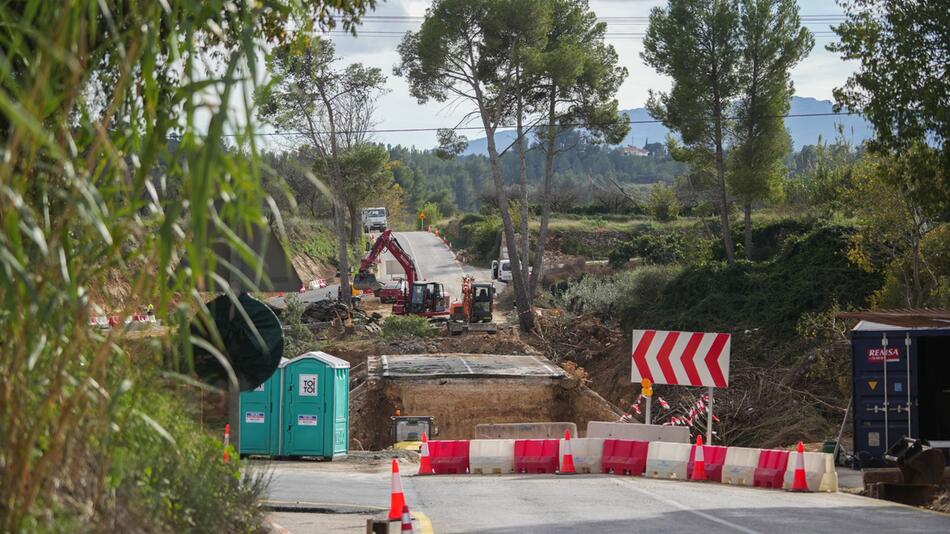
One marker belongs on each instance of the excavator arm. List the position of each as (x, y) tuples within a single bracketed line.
[(365, 279)]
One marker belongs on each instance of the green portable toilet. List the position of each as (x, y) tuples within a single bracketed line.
[(260, 430), (315, 397)]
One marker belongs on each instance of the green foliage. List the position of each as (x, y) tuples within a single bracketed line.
[(629, 295), (768, 236), (480, 235), (662, 247), (317, 240), (432, 214), (901, 84), (115, 163), (773, 42), (178, 482), (402, 326), (663, 204), (810, 274), (298, 337)]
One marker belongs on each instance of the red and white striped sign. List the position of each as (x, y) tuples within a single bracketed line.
[(681, 358)]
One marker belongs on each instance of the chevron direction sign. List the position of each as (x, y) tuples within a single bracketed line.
[(681, 358)]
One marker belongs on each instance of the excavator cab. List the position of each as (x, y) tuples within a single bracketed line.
[(483, 295), (427, 298)]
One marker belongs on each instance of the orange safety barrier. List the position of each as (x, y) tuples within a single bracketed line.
[(625, 456), (536, 455), (714, 456), (770, 472), (449, 457)]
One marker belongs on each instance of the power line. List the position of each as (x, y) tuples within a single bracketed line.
[(506, 127)]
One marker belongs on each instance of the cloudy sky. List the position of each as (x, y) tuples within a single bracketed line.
[(815, 77)]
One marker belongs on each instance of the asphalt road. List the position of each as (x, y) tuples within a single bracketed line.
[(437, 263), (595, 503), (434, 260)]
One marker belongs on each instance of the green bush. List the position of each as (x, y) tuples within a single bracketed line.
[(479, 234), (810, 274), (399, 326), (167, 474), (626, 295), (662, 203), (298, 337)]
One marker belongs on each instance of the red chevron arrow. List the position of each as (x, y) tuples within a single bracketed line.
[(640, 354), (663, 357), (712, 360), (688, 354)]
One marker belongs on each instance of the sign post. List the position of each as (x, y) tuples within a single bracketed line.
[(647, 391), (422, 218), (681, 359)]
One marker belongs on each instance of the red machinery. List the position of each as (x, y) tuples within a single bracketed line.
[(427, 299)]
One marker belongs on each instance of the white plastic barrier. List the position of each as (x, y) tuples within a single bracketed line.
[(491, 456), (587, 452), (815, 465), (667, 433), (739, 467), (667, 460)]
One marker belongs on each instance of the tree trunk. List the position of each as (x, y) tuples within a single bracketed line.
[(343, 254), (723, 196), (525, 315), (356, 224), (748, 230), (545, 198), (523, 182)]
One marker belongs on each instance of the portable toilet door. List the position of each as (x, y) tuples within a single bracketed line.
[(259, 414), (309, 395), (338, 379)]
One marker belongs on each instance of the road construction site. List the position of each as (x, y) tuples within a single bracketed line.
[(503, 385)]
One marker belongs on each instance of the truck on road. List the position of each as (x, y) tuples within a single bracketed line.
[(374, 219)]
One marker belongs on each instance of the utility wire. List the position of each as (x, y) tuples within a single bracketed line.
[(506, 127)]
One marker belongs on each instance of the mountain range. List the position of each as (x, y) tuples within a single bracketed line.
[(805, 130)]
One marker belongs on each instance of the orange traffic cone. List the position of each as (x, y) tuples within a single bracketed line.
[(425, 464), (398, 498), (567, 464), (699, 461), (406, 520), (800, 482)]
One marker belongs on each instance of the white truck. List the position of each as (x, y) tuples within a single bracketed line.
[(374, 219)]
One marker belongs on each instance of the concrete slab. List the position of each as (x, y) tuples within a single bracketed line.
[(462, 366)]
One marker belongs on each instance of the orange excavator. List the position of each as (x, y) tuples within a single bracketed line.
[(475, 308), (427, 299)]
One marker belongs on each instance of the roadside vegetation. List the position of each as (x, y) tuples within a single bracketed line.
[(117, 158), (404, 326)]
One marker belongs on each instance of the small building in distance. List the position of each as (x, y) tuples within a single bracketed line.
[(634, 151)]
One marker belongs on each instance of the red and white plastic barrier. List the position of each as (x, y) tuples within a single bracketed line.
[(536, 455), (768, 468), (449, 457)]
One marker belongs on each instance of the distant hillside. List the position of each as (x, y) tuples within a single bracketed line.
[(804, 130)]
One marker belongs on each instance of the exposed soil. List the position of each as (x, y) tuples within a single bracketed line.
[(773, 406)]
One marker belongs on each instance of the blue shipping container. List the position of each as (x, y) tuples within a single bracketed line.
[(891, 400)]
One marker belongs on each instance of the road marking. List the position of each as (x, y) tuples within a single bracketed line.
[(467, 366), (425, 525), (322, 504), (631, 485)]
